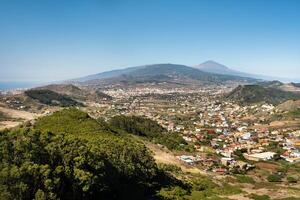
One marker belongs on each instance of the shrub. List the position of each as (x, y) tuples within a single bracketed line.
[(291, 179), (259, 197), (244, 179), (274, 178), (173, 193)]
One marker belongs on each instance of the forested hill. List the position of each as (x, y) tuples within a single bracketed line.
[(70, 156), (51, 98), (71, 121)]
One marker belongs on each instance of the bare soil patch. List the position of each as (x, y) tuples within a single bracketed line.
[(267, 166)]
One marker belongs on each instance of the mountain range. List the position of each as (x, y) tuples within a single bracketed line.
[(207, 72), (162, 73), (217, 68)]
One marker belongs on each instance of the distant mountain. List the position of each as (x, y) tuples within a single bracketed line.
[(296, 85), (108, 74), (161, 72), (249, 94), (214, 67)]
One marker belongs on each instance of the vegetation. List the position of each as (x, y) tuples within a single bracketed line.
[(51, 98), (70, 121), (3, 116), (294, 113), (54, 161), (169, 168), (274, 177), (291, 179), (69, 155), (259, 197), (275, 147), (244, 179), (63, 167), (199, 187), (149, 129), (239, 154), (249, 94)]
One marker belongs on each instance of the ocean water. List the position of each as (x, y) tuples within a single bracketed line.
[(9, 85)]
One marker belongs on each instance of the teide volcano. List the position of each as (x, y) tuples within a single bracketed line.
[(161, 73)]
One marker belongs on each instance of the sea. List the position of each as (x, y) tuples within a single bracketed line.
[(12, 85)]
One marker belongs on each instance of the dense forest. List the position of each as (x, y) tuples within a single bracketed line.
[(149, 129), (51, 98), (69, 155)]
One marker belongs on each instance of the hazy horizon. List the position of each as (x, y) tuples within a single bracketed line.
[(57, 40)]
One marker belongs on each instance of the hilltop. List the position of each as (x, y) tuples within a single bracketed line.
[(217, 68), (51, 98), (290, 105), (69, 155), (248, 94), (81, 94)]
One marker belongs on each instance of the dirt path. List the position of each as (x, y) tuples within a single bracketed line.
[(8, 124), (237, 197), (18, 114), (166, 157), (18, 117)]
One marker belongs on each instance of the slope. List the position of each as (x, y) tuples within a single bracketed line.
[(249, 94)]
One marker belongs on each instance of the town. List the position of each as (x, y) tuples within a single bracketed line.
[(225, 136)]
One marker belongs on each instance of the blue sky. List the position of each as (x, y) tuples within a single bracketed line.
[(46, 40)]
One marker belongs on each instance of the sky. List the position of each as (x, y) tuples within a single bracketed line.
[(50, 40)]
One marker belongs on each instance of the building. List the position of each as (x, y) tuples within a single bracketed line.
[(259, 156)]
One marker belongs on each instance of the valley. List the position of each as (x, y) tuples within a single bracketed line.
[(214, 136)]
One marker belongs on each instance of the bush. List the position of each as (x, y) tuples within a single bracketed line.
[(274, 178), (169, 168), (244, 179), (259, 197), (227, 190), (173, 193), (291, 179)]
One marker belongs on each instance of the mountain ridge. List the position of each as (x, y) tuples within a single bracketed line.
[(215, 67), (249, 94), (172, 71)]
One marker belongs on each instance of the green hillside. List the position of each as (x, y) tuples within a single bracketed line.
[(249, 94), (54, 161), (148, 129), (76, 93), (51, 98), (72, 121)]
